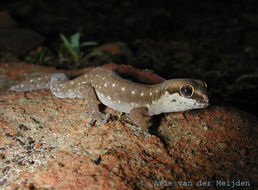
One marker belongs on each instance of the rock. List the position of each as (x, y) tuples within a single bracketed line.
[(115, 48), (6, 21), (45, 144), (19, 41), (213, 143)]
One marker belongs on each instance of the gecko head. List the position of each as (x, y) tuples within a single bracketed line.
[(185, 94)]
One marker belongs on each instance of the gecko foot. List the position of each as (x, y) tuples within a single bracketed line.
[(145, 133), (106, 117), (97, 118)]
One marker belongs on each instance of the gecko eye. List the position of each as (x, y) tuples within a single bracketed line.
[(186, 90)]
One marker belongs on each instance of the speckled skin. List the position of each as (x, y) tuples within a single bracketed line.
[(113, 91)]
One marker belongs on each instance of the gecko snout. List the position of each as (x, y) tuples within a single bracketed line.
[(205, 98)]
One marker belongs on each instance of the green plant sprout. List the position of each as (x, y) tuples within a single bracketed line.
[(247, 76), (41, 55), (74, 47)]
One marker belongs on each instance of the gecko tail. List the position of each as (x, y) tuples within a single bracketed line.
[(36, 83), (57, 87)]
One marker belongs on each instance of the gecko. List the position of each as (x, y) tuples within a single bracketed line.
[(138, 100)]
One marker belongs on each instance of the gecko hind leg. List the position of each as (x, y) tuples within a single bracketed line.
[(87, 92), (62, 87)]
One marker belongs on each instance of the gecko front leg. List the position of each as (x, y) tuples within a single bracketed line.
[(137, 116)]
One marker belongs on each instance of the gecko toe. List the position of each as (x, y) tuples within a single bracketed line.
[(107, 116), (147, 134), (91, 123), (97, 118)]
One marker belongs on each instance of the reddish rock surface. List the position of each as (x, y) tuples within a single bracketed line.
[(44, 143), (115, 48)]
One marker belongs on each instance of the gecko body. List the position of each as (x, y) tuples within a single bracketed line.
[(138, 100)]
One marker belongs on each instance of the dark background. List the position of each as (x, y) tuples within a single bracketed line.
[(216, 41)]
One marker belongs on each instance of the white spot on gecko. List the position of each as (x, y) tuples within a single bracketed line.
[(150, 93), (133, 92), (105, 85), (113, 85), (123, 88), (142, 94)]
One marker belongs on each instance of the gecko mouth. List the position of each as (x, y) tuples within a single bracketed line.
[(203, 103), (206, 105)]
